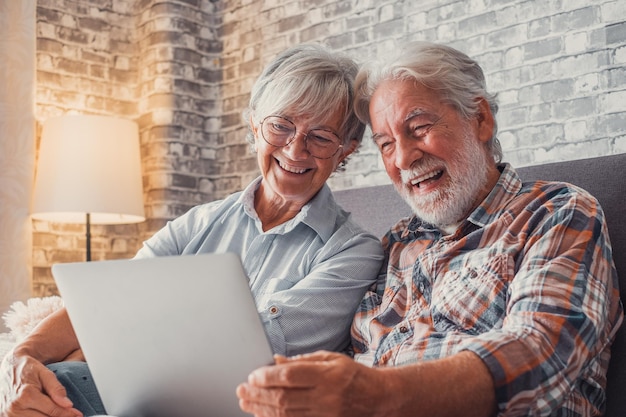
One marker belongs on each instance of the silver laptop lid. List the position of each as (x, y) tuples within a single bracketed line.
[(169, 336)]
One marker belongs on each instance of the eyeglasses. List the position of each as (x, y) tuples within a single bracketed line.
[(279, 131)]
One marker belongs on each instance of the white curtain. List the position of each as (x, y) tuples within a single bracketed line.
[(17, 148)]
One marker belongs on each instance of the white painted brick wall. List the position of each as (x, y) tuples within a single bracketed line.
[(184, 69)]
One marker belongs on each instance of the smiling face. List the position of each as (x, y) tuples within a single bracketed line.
[(436, 159), (290, 172)]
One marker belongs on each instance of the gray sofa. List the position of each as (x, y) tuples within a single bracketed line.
[(378, 207)]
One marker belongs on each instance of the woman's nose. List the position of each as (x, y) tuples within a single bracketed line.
[(297, 148)]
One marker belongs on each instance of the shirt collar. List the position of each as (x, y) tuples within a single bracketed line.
[(320, 213), (246, 198), (508, 186)]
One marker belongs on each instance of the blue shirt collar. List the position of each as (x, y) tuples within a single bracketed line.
[(320, 213)]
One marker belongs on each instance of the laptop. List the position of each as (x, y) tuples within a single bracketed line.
[(168, 336)]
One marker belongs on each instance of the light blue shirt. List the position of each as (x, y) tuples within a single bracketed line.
[(307, 275)]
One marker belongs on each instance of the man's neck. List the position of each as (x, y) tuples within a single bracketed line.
[(449, 230)]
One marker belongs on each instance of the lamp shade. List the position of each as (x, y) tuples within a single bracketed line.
[(89, 165)]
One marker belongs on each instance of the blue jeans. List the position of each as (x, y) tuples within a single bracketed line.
[(78, 383)]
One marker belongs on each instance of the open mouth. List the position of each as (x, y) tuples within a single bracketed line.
[(425, 179), (293, 170)]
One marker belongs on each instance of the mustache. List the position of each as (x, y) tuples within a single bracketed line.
[(425, 165)]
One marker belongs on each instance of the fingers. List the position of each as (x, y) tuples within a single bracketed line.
[(280, 359), (302, 371), (286, 375), (50, 397), (265, 393), (32, 402), (319, 356), (56, 391), (28, 388), (263, 402), (56, 401), (308, 385), (262, 410)]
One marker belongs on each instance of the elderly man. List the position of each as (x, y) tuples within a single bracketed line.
[(498, 297)]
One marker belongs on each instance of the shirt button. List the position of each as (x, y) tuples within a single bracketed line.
[(273, 310), (404, 329)]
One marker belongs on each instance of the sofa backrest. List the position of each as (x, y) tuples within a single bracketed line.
[(378, 207)]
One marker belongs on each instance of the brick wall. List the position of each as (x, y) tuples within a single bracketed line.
[(183, 70), (178, 105), (558, 66)]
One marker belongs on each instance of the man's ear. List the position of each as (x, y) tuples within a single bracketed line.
[(485, 120)]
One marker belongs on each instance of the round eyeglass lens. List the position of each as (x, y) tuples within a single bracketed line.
[(279, 131)]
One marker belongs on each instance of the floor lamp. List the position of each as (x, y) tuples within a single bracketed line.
[(89, 171)]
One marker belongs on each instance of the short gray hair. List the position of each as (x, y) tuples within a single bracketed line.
[(458, 78), (307, 79)]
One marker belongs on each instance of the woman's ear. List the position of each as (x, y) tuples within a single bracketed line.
[(253, 127), (485, 120), (348, 149), (254, 130)]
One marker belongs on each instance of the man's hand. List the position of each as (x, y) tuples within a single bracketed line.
[(317, 384), (28, 388), (332, 385)]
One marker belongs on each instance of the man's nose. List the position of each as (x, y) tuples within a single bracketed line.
[(407, 152)]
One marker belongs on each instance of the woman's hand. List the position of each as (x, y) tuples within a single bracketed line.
[(28, 388)]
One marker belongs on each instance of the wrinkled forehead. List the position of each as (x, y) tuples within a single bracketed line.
[(401, 98)]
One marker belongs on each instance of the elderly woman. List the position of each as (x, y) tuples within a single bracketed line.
[(309, 265)]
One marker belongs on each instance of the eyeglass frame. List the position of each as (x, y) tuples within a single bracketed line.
[(295, 134)]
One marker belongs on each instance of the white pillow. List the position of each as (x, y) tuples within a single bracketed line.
[(22, 317)]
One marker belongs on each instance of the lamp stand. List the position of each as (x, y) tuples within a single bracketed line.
[(88, 236)]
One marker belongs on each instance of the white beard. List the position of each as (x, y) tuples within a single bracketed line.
[(468, 172)]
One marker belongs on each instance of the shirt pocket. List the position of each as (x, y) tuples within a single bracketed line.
[(472, 299)]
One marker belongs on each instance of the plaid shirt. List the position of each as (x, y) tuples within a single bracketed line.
[(527, 283)]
